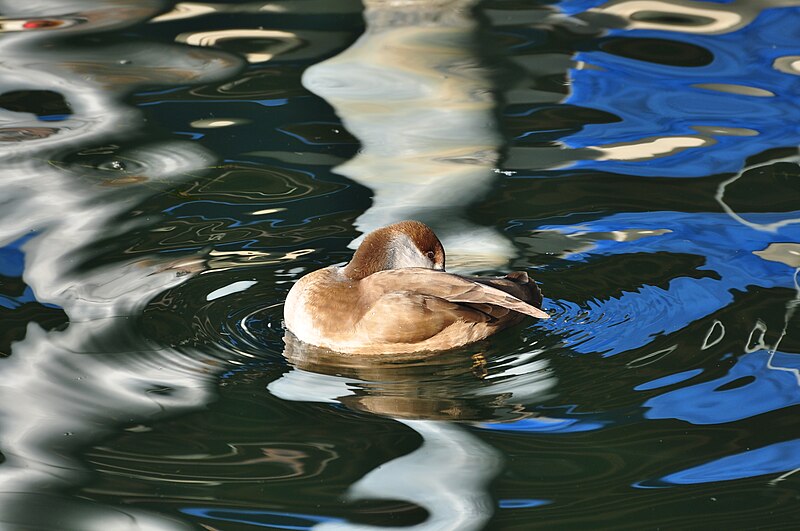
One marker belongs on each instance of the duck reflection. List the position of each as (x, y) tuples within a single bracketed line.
[(415, 92), (67, 387), (449, 473)]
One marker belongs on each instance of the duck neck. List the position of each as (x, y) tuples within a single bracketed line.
[(370, 257), (362, 265)]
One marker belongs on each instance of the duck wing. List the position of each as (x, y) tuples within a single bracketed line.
[(447, 286), (517, 284)]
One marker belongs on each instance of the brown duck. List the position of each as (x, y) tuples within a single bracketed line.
[(395, 297)]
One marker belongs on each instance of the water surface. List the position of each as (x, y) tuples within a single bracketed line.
[(169, 170)]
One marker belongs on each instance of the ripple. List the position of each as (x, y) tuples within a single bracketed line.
[(232, 317), (273, 84), (230, 463), (624, 292), (112, 165)]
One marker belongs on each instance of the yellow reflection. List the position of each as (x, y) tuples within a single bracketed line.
[(680, 16), (222, 260), (266, 44), (688, 16), (786, 253), (742, 90), (649, 148), (657, 147), (213, 123), (788, 65)]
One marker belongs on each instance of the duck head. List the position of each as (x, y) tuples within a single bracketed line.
[(401, 245)]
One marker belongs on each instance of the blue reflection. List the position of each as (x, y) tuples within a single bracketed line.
[(656, 100), (521, 503), (12, 260), (668, 380), (12, 266), (268, 519), (12, 303), (573, 7), (265, 103), (772, 459), (546, 425), (54, 117), (160, 92), (192, 136), (654, 311), (766, 390)]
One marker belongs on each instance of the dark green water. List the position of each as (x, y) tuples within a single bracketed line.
[(168, 171)]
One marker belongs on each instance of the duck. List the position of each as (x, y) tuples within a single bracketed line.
[(395, 297)]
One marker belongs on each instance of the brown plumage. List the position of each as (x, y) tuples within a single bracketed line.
[(395, 297)]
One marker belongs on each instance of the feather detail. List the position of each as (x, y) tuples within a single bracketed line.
[(394, 297), (447, 286)]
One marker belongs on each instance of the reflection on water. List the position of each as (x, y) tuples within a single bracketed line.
[(414, 90), (727, 100), (462, 385), (80, 382), (169, 169), (449, 473)]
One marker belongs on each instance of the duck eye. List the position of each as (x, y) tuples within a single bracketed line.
[(430, 255)]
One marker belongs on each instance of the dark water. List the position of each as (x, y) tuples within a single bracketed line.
[(167, 171)]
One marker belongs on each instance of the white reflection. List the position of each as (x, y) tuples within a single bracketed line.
[(716, 328), (650, 148), (413, 90), (653, 357), (791, 308), (236, 287), (784, 252), (764, 227), (65, 390), (664, 146), (449, 474), (757, 338), (782, 477)]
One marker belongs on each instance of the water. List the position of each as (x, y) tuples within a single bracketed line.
[(169, 170)]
